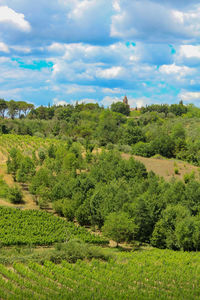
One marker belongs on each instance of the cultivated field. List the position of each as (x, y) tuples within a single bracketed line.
[(150, 274)]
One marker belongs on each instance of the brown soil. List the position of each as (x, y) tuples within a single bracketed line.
[(165, 167), (29, 203)]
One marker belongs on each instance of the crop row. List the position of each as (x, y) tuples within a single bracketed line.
[(21, 227), (152, 274)]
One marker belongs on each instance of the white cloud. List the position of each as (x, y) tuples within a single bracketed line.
[(175, 70), (107, 101), (112, 91), (116, 5), (4, 48), (58, 102), (190, 96), (111, 73), (9, 16), (190, 51), (155, 21)]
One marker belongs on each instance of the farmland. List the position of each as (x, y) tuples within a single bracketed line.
[(149, 274)]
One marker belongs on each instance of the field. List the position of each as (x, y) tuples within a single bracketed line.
[(147, 274), (19, 227)]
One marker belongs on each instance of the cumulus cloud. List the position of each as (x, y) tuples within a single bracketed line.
[(190, 96), (154, 22), (176, 70), (11, 18), (95, 49)]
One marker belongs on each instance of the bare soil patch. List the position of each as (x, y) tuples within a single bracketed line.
[(166, 167)]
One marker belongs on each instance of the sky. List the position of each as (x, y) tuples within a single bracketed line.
[(63, 51)]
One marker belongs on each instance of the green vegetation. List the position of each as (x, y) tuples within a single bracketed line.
[(31, 227), (94, 188), (4, 189), (171, 131), (69, 159), (151, 274), (15, 195)]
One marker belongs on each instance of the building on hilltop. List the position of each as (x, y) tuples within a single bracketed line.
[(125, 101)]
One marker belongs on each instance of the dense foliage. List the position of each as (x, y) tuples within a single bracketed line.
[(95, 189), (168, 130), (36, 227)]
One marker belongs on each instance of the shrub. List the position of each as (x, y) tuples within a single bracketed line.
[(15, 195), (176, 171)]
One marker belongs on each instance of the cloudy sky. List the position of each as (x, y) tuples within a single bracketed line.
[(100, 50)]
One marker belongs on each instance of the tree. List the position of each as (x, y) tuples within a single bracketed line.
[(121, 107), (15, 195), (3, 107), (26, 170), (107, 130), (12, 108), (164, 235), (133, 135), (119, 227), (186, 232), (13, 162)]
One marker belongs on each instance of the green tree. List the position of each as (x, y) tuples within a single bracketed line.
[(119, 227), (12, 108), (120, 107), (164, 235), (15, 195), (3, 107), (13, 162), (26, 170)]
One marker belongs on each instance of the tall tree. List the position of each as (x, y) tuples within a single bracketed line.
[(3, 107), (12, 108)]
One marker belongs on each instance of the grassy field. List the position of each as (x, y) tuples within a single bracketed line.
[(143, 274)]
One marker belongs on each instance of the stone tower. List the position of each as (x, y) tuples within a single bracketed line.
[(125, 100)]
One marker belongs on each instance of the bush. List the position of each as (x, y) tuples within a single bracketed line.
[(76, 249), (176, 171), (15, 195)]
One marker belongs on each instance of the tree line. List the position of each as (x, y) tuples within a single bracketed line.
[(14, 108), (154, 130)]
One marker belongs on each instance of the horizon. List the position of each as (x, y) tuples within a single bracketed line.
[(78, 50)]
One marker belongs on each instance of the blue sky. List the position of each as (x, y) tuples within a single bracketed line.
[(99, 50)]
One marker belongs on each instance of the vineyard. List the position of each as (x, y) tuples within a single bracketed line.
[(26, 143), (19, 227), (150, 274)]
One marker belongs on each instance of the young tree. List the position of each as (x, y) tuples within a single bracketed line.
[(15, 195), (13, 162), (26, 170)]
